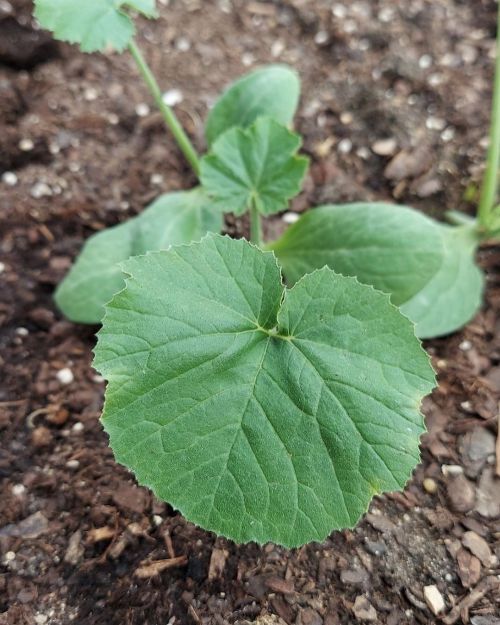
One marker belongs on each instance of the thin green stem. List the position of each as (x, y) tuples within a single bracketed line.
[(490, 182), (255, 226), (171, 120)]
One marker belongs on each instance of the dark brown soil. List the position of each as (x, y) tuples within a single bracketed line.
[(76, 534)]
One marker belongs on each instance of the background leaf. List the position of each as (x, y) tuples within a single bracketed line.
[(96, 275), (254, 165), (94, 24), (272, 91), (259, 418), (454, 294), (395, 249)]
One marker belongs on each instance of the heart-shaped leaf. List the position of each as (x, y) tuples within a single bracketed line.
[(261, 413), (395, 249), (273, 90), (454, 294), (257, 166), (96, 275), (93, 24)]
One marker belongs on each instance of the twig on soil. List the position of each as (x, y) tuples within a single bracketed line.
[(152, 569), (461, 609), (497, 450), (168, 544)]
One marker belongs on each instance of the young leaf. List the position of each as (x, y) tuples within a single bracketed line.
[(273, 91), (261, 413), (395, 249), (454, 294), (96, 276), (93, 24), (258, 165)]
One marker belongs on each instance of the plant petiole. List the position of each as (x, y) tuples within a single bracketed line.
[(490, 182), (255, 225), (169, 116)]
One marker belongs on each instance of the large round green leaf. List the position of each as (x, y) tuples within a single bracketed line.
[(394, 248), (257, 167), (93, 24), (260, 413), (96, 275), (454, 294), (272, 90)]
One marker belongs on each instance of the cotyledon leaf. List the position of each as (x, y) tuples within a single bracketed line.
[(272, 90), (454, 294), (257, 166), (393, 248), (261, 413), (93, 24), (96, 275)]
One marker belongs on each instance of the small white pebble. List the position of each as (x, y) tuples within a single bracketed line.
[(41, 619), (248, 59), (344, 146), (448, 134), (65, 376), (9, 556), (363, 152), (451, 470), (321, 37), (290, 218), (157, 520), (183, 44), (72, 464), (74, 167), (386, 14), (448, 577), (346, 118), (98, 379), (18, 490), (173, 97), (157, 179), (339, 11), (277, 48), (466, 405), (434, 599), (2, 267), (425, 61), (435, 123), (90, 94), (113, 119), (78, 427), (26, 145), (142, 110), (465, 346), (385, 147), (40, 189), (9, 178), (22, 331)]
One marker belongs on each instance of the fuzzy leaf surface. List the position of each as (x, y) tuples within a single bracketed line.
[(454, 295), (257, 165), (393, 248), (96, 275), (261, 413), (273, 91), (93, 24)]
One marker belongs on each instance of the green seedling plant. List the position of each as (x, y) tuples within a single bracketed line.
[(266, 390)]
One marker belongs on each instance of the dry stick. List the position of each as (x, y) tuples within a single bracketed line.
[(497, 450), (461, 609)]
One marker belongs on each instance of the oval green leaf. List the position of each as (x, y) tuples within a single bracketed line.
[(96, 275), (393, 248), (257, 166), (93, 24), (454, 294), (261, 413), (272, 91)]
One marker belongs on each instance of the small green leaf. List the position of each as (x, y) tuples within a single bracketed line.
[(93, 24), (254, 166), (454, 294), (96, 275), (261, 413), (393, 248), (273, 91)]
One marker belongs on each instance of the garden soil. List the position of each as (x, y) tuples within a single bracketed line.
[(395, 107)]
